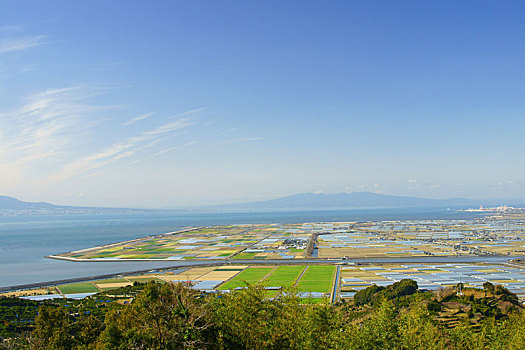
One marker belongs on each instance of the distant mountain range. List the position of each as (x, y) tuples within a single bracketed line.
[(301, 201), (347, 200), (15, 204)]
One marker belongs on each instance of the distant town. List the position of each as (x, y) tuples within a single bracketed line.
[(501, 209)]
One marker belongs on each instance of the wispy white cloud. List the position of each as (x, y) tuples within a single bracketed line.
[(46, 119), (167, 150), (45, 127), (27, 68), (171, 126), (118, 151), (17, 44), (138, 118), (191, 111), (211, 122), (245, 139), (9, 28), (49, 138)]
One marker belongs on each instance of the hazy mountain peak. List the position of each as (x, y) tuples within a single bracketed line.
[(7, 202), (347, 200)]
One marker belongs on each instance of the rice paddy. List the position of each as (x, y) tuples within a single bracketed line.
[(284, 276), (252, 275), (317, 279)]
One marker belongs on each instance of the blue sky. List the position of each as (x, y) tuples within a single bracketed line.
[(176, 103)]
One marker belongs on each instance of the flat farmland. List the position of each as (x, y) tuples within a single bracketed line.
[(193, 273), (371, 239), (284, 276), (112, 283), (144, 279), (219, 242), (317, 278), (251, 275), (81, 287), (111, 286)]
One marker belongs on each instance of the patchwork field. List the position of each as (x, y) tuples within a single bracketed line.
[(312, 281), (337, 240), (286, 243), (218, 242), (433, 276), (371, 239), (385, 239)]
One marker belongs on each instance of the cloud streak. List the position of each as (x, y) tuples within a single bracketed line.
[(191, 111), (11, 28), (44, 122), (18, 44), (139, 118), (49, 133), (245, 139), (46, 127), (167, 150), (119, 150)]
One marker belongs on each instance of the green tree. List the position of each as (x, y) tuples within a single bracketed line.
[(365, 296), (87, 331), (52, 329), (416, 329), (380, 331), (163, 316), (488, 287)]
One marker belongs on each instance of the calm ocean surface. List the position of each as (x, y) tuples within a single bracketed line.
[(26, 240)]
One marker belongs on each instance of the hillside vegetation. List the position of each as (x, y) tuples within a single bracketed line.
[(172, 316)]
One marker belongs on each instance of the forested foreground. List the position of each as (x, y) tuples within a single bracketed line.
[(171, 316)]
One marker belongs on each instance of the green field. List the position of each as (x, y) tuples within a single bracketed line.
[(284, 276), (251, 275), (244, 256), (82, 287), (111, 280), (317, 279)]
